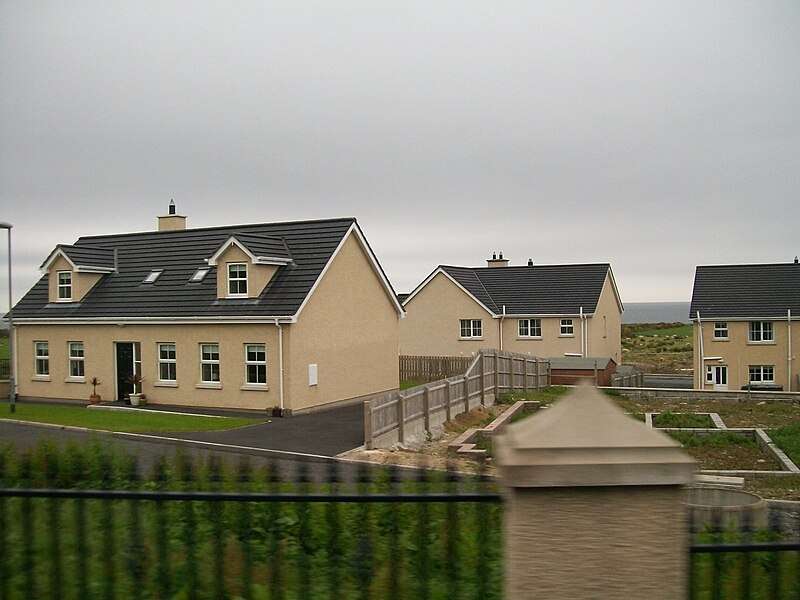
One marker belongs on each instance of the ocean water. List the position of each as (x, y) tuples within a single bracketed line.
[(656, 312)]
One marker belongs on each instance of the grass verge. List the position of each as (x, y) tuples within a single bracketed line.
[(127, 421)]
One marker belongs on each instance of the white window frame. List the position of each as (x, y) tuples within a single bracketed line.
[(76, 367), (41, 360), (761, 332), (167, 359), (761, 373), (721, 330), (209, 364), (238, 283), (471, 329), (567, 328), (255, 357), (530, 328), (64, 288)]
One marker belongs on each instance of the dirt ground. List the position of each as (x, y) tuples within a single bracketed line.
[(433, 453)]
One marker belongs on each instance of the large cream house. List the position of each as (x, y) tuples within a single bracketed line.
[(278, 315), (745, 317), (543, 310)]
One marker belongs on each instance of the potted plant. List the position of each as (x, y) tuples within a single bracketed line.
[(95, 397), (136, 381)]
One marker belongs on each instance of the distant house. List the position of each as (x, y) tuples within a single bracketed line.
[(570, 370), (744, 319), (293, 315), (544, 310)]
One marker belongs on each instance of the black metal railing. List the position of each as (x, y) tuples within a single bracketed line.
[(363, 533), (744, 559)]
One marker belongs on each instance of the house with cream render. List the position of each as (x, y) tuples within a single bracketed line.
[(746, 326), (542, 310), (294, 315)]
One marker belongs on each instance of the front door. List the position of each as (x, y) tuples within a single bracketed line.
[(720, 375), (124, 369)]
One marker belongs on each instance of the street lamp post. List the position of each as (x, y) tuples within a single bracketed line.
[(11, 390)]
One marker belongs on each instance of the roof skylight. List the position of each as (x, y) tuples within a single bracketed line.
[(154, 274), (199, 274)]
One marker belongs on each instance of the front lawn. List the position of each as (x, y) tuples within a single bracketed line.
[(129, 421)]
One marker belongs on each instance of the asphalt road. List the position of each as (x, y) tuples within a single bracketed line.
[(311, 440)]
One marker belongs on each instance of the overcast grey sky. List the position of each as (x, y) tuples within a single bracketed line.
[(652, 135)]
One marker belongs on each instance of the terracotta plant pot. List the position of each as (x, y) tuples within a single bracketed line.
[(94, 398)]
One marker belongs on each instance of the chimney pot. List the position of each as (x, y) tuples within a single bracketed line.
[(172, 207), (530, 262)]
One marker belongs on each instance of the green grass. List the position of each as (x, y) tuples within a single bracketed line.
[(132, 421), (404, 385), (669, 419), (723, 439), (658, 329), (546, 395), (788, 440)]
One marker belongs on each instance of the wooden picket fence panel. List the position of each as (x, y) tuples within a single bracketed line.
[(397, 417), (432, 368)]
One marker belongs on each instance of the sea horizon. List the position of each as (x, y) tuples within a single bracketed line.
[(656, 312)]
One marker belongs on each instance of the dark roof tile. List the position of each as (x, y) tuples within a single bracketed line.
[(746, 291)]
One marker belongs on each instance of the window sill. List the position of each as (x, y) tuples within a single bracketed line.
[(255, 387), (767, 343), (470, 339), (529, 337), (40, 378), (720, 339), (209, 385), (172, 384), (75, 380), (566, 335)]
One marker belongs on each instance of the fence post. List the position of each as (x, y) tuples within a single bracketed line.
[(426, 408), (483, 379), (496, 376), (368, 425), (447, 398), (597, 498), (401, 418)]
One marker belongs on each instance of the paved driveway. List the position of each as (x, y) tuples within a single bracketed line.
[(323, 433)]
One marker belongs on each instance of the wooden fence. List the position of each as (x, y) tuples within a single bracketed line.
[(414, 413), (432, 368)]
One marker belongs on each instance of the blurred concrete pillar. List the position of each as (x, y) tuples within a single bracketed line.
[(595, 504)]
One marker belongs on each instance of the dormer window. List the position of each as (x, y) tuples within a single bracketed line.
[(64, 286), (237, 279), (153, 275), (199, 275)]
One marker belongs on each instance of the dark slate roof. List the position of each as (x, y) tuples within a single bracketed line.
[(265, 245), (534, 290), (88, 256), (180, 253), (745, 291)]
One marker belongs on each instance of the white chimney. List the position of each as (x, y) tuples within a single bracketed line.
[(496, 261)]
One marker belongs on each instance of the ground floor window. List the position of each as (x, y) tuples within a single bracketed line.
[(255, 364), (762, 373), (530, 328), (76, 359), (167, 362), (42, 360), (471, 328), (209, 363)]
